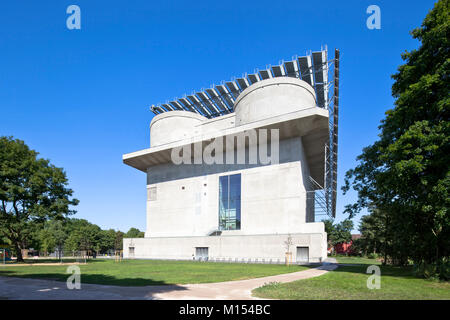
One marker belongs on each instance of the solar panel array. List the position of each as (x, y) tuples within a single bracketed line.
[(219, 99)]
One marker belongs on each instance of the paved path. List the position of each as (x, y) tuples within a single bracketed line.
[(19, 288)]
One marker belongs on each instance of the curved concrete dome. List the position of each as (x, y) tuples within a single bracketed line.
[(273, 97), (172, 126)]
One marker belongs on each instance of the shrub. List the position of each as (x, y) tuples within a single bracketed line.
[(433, 271), (372, 255)]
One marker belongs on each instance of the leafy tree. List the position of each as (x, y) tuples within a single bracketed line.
[(107, 240), (58, 234), (134, 233), (4, 240), (89, 237), (84, 235), (338, 233), (72, 243), (329, 229), (373, 233), (31, 191), (118, 243), (342, 232), (47, 242), (86, 238), (405, 173)]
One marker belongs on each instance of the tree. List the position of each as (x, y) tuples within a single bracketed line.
[(134, 233), (405, 174), (107, 240), (31, 191), (89, 237), (342, 232), (118, 242), (58, 233), (329, 229), (47, 242), (338, 233), (373, 233), (72, 243)]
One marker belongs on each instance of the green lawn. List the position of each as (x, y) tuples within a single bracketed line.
[(350, 283), (151, 272), (356, 260)]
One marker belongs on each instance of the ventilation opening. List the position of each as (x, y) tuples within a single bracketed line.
[(201, 253)]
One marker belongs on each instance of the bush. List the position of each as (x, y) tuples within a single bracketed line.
[(372, 255), (433, 271)]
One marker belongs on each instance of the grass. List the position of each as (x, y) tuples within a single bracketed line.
[(150, 272), (349, 282), (357, 260)]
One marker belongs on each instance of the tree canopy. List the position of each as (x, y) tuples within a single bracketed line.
[(134, 233), (403, 178), (338, 233), (31, 191)]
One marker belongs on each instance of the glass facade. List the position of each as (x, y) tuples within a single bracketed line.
[(230, 202)]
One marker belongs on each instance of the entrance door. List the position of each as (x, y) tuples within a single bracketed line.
[(303, 254), (201, 253)]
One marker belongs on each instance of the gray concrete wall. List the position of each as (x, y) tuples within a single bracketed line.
[(231, 247), (273, 197)]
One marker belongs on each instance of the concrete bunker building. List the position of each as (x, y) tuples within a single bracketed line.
[(244, 212)]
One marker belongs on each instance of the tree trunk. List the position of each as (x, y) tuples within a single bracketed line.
[(18, 252)]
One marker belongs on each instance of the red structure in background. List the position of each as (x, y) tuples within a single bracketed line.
[(346, 247)]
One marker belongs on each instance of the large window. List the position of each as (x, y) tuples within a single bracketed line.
[(230, 202)]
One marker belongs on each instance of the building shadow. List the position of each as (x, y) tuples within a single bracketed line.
[(52, 286), (406, 272)]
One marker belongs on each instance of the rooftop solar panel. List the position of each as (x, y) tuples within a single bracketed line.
[(253, 78), (157, 110), (205, 99), (291, 68), (188, 105), (320, 97), (225, 96), (321, 76), (278, 71), (243, 83), (306, 69), (176, 105), (168, 107), (319, 61), (216, 98), (196, 102), (233, 89), (265, 74)]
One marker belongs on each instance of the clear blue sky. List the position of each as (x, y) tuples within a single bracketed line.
[(81, 97)]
